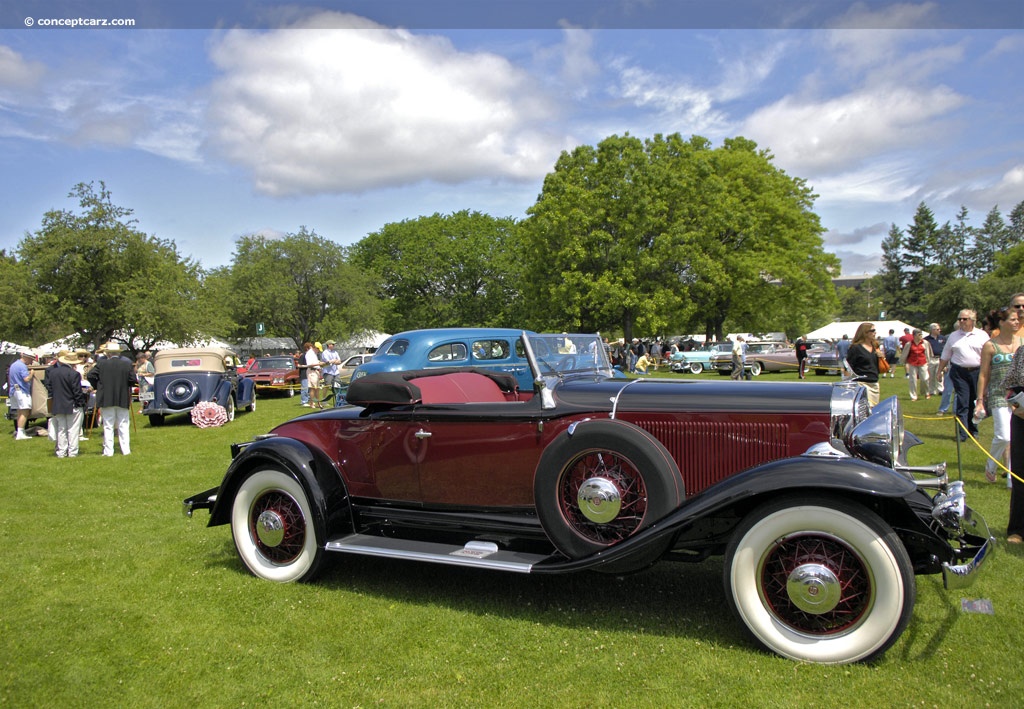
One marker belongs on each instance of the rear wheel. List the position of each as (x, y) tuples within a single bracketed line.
[(602, 484), (229, 407), (819, 580), (272, 524)]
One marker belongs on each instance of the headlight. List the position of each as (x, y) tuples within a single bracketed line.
[(879, 438)]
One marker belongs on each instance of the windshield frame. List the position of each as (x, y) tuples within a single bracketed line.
[(555, 357)]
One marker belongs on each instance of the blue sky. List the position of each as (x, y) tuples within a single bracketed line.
[(212, 120)]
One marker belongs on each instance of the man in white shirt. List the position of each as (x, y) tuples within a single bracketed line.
[(962, 355)]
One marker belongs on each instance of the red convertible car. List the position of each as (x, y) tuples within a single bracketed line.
[(807, 495)]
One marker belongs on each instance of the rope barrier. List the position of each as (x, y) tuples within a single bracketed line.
[(960, 425)]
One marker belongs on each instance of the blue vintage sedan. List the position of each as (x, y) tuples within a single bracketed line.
[(186, 376), (495, 349)]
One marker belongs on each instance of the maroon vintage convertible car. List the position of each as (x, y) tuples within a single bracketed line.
[(807, 495)]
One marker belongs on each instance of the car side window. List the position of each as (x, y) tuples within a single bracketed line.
[(520, 348), (448, 352), (398, 348), (490, 349)]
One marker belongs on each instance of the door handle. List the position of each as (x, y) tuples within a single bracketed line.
[(421, 434)]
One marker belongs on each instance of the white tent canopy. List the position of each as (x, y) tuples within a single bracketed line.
[(73, 341), (835, 331), (364, 340), (11, 347)]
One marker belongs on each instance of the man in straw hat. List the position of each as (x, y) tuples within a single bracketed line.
[(113, 379), (64, 384)]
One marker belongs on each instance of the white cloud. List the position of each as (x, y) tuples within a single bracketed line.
[(836, 134), (16, 71), (325, 110), (688, 106), (679, 105)]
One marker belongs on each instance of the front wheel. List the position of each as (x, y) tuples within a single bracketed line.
[(755, 369), (272, 524), (819, 580), (696, 367)]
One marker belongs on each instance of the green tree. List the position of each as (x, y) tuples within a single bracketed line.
[(956, 244), (601, 247), (94, 272), (892, 279), (856, 303), (990, 239), (1015, 231), (454, 270), (300, 286), (760, 263), (666, 234), (24, 319)]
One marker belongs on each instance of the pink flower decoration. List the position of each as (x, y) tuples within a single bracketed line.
[(207, 414)]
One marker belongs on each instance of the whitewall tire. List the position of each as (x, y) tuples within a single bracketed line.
[(819, 580), (273, 527)]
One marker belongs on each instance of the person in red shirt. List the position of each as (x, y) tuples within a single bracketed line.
[(914, 357)]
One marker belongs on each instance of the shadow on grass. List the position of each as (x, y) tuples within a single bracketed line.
[(670, 598), (924, 638)]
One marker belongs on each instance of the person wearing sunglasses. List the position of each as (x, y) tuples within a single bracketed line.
[(862, 359), (962, 355), (996, 359)]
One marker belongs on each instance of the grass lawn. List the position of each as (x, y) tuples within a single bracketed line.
[(112, 598)]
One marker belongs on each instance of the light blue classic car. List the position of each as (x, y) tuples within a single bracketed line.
[(697, 361), (497, 349)]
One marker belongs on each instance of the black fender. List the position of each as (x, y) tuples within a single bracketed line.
[(843, 477), (222, 393), (310, 467)]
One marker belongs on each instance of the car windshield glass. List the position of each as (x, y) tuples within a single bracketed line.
[(570, 354), (275, 363)]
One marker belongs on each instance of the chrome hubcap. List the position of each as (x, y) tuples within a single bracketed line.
[(270, 528), (599, 500), (813, 588)]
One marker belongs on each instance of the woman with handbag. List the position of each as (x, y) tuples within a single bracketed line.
[(865, 359)]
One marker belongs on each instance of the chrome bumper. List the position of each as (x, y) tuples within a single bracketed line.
[(202, 501), (965, 527)]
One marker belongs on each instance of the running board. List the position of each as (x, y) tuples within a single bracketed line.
[(481, 555)]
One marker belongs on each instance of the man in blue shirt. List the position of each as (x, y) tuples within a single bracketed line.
[(19, 390), (891, 346)]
